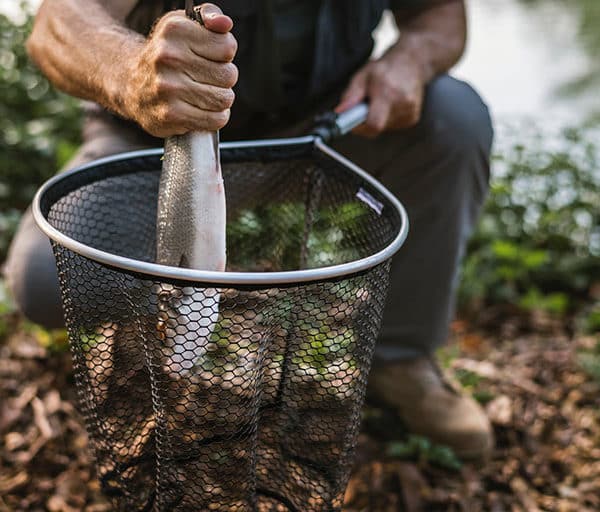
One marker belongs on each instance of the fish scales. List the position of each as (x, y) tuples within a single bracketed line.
[(191, 229), (191, 207)]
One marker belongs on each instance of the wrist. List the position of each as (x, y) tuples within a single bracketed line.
[(411, 50), (120, 78)]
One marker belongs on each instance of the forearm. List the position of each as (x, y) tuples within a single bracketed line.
[(434, 37), (83, 49)]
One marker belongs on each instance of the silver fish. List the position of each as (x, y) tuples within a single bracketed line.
[(190, 233)]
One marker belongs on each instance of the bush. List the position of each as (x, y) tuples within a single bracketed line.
[(538, 243), (39, 127)]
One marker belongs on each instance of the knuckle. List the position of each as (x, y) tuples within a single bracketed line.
[(223, 47), (164, 54), (163, 87), (165, 57), (171, 24), (229, 98), (230, 75), (168, 115), (392, 87), (377, 126), (220, 119), (230, 47), (225, 75), (225, 99)]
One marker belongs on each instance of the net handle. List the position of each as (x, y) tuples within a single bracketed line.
[(330, 125), (192, 12), (351, 118)]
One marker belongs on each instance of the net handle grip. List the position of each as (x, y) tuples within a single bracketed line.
[(330, 125), (351, 118)]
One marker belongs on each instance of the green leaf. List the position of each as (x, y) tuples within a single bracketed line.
[(505, 250), (535, 259), (422, 449)]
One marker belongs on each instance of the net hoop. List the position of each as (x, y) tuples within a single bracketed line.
[(225, 278)]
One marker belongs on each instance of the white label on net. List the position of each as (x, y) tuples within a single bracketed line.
[(369, 200)]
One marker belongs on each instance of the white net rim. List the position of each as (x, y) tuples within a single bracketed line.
[(154, 270)]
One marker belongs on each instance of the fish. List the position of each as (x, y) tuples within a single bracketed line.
[(190, 233)]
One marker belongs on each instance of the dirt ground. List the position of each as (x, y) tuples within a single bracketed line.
[(544, 408)]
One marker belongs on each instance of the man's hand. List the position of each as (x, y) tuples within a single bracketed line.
[(432, 39), (394, 86), (181, 79)]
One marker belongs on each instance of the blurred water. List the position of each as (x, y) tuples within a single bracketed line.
[(520, 54)]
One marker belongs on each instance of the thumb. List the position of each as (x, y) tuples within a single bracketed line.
[(355, 93), (214, 19)]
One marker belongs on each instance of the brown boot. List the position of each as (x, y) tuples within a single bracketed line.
[(430, 406)]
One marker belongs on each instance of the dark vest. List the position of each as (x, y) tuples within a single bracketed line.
[(343, 42)]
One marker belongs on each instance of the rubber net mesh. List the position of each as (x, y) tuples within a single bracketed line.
[(203, 397)]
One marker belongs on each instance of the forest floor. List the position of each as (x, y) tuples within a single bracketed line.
[(528, 373)]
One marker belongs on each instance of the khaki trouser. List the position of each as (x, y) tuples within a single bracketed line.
[(439, 170)]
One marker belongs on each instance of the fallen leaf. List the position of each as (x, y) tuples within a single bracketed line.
[(499, 410), (12, 483), (412, 484), (40, 418), (482, 368)]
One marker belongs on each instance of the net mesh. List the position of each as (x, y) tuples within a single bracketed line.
[(229, 398)]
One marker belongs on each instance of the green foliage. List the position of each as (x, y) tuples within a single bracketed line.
[(556, 303), (538, 242), (589, 360), (588, 322), (277, 231), (591, 319), (39, 127), (474, 384), (7, 308), (483, 396), (53, 340), (424, 451), (467, 378)]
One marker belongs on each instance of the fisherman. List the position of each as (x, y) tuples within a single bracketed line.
[(148, 72)]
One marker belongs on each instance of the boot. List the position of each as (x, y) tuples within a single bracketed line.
[(430, 406)]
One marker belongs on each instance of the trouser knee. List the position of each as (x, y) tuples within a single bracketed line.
[(456, 118), (32, 277), (30, 267)]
